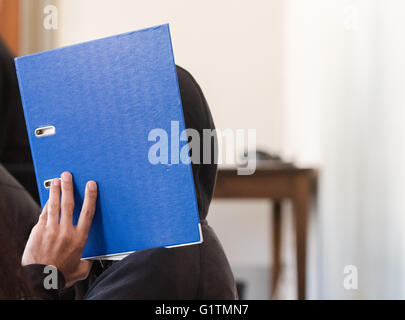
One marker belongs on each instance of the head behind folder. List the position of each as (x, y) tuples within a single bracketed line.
[(197, 116)]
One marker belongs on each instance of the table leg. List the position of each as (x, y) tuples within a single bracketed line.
[(301, 207), (277, 228)]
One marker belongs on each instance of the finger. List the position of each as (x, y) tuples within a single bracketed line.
[(84, 268), (81, 273), (43, 217), (88, 209), (68, 202), (54, 203)]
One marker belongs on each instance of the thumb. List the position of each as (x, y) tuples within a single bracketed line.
[(81, 273), (84, 269)]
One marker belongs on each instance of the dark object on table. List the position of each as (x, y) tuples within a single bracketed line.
[(267, 160), (263, 155)]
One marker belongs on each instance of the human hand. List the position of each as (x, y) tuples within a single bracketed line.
[(58, 242)]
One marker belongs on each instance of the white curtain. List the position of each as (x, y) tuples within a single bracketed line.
[(344, 91)]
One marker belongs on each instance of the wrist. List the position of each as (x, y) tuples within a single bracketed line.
[(46, 280)]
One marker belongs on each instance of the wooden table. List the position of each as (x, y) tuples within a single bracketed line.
[(276, 184)]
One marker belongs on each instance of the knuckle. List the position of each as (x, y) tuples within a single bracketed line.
[(36, 229), (67, 186), (68, 207), (90, 211), (54, 206), (91, 198), (51, 234), (87, 213), (82, 240), (66, 235)]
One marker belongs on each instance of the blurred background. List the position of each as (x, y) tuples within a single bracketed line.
[(322, 83)]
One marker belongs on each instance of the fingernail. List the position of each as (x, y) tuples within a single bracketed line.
[(92, 186), (66, 177), (56, 182)]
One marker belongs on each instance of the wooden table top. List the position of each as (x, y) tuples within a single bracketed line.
[(266, 182)]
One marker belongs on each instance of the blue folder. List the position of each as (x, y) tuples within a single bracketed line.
[(89, 109)]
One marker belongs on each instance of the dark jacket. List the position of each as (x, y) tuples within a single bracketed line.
[(19, 211), (15, 152), (14, 146)]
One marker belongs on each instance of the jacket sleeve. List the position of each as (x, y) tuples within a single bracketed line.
[(37, 278)]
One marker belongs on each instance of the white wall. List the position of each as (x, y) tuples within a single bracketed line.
[(234, 50), (344, 112)]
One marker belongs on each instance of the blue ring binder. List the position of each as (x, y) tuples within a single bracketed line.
[(103, 97)]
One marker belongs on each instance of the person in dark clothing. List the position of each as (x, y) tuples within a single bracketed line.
[(13, 134), (194, 272), (18, 215), (15, 153), (49, 243)]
